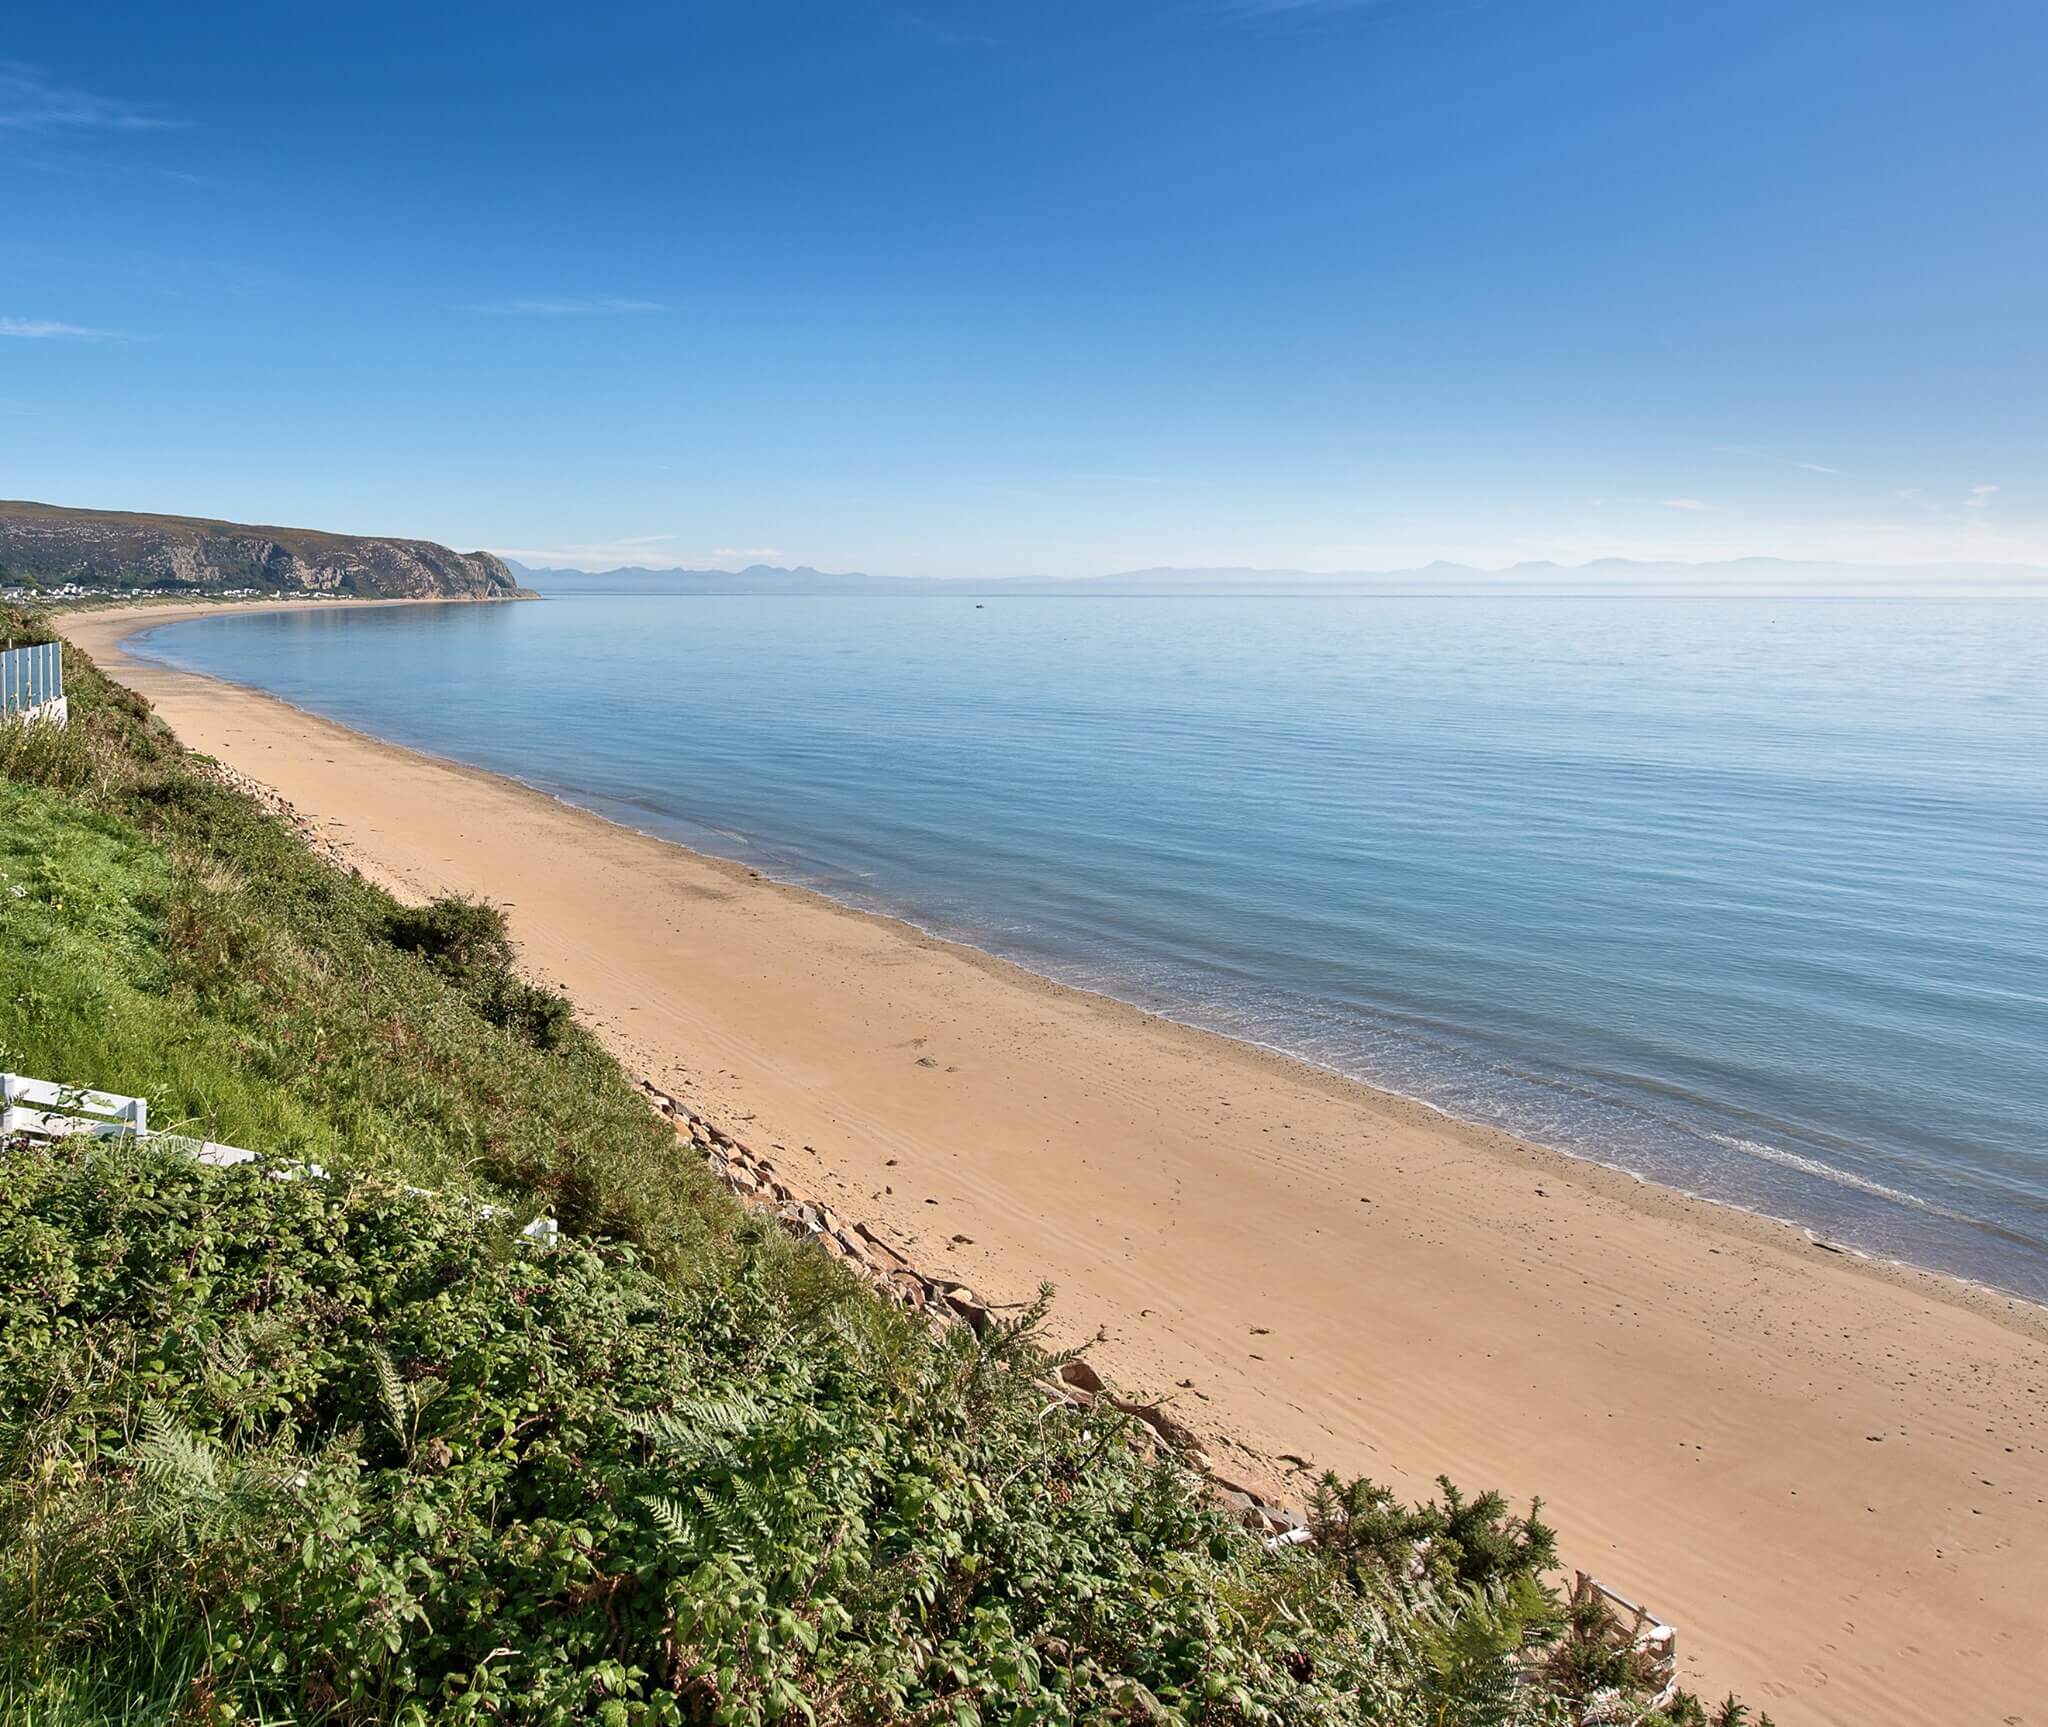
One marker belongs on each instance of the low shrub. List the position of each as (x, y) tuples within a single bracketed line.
[(460, 937), (1456, 1540), (538, 1015), (341, 1450), (370, 1458)]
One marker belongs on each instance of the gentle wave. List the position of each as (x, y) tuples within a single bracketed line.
[(1828, 1173), (1689, 887)]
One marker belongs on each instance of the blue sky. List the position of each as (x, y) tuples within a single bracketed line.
[(1045, 287)]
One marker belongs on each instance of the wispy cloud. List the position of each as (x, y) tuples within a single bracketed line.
[(1763, 453), (31, 101), (49, 329), (1909, 493), (1686, 504), (570, 306), (1979, 497), (748, 552)]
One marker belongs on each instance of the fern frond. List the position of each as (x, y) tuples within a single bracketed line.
[(693, 1421), (176, 1460), (393, 1397), (671, 1519)]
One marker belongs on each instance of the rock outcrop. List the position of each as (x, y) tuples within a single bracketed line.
[(48, 547)]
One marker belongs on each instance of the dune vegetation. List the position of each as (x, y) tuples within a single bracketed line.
[(325, 1438)]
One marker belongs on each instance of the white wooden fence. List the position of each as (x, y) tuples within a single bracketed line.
[(52, 1111), (47, 1110), (61, 1111), (32, 682)]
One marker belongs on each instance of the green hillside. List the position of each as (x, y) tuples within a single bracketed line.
[(285, 1447)]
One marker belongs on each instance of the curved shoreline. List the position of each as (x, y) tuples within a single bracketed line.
[(1695, 1388), (878, 906)]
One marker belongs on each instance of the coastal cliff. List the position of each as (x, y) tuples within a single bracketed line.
[(45, 546)]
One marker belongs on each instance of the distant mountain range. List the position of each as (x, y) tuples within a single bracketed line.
[(1764, 576), (754, 579), (46, 547)]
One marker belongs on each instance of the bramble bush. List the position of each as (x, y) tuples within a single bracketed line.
[(370, 1458), (276, 1448)]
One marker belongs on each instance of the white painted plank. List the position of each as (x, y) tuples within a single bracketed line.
[(19, 1088)]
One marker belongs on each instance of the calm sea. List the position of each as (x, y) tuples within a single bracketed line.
[(1747, 896)]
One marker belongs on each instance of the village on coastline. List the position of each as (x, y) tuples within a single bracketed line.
[(1273, 1508)]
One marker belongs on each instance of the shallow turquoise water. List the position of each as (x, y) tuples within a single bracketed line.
[(1749, 896)]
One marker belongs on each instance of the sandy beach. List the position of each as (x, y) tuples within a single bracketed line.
[(1830, 1474)]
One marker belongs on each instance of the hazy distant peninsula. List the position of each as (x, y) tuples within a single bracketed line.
[(45, 548), (1746, 576)]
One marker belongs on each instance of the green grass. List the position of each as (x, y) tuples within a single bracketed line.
[(191, 950), (333, 1450), (84, 972)]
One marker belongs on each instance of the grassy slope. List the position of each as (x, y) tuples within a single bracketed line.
[(191, 950), (304, 540), (309, 543), (302, 1450)]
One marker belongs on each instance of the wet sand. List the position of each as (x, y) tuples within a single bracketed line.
[(1830, 1474)]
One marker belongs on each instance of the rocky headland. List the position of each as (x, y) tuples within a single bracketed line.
[(45, 548)]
